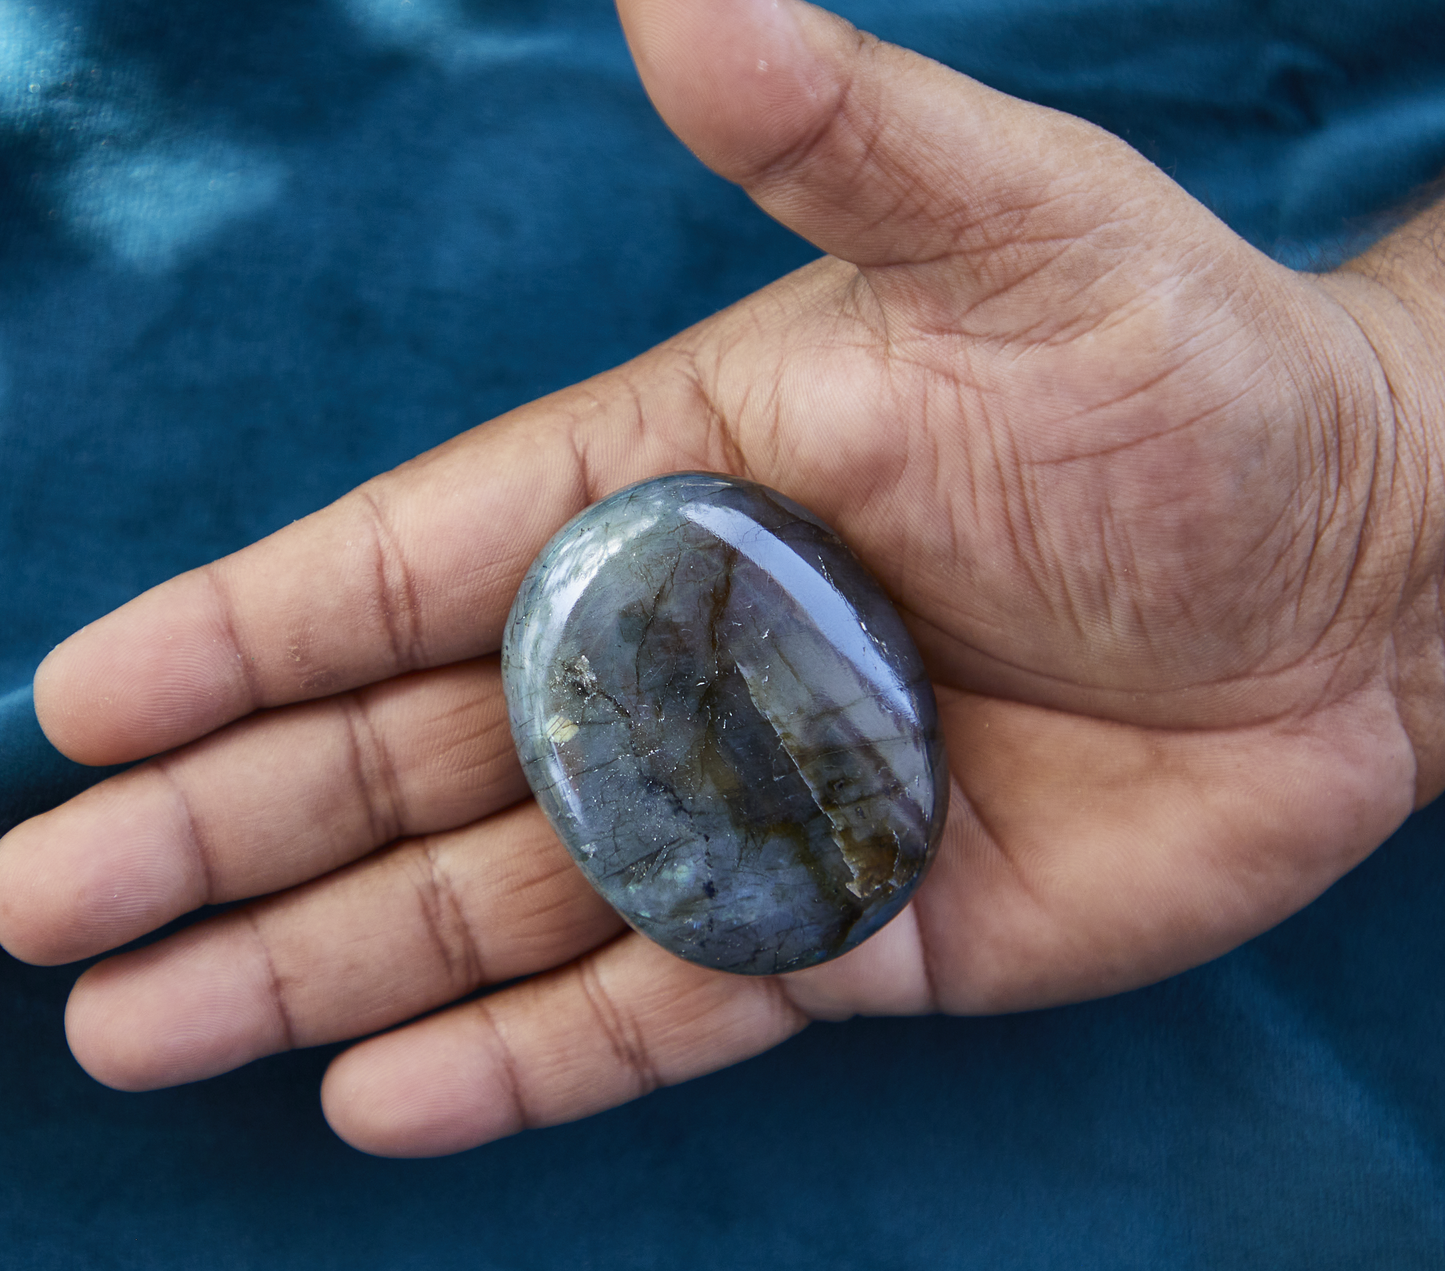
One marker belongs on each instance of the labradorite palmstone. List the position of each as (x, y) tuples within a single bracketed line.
[(726, 723)]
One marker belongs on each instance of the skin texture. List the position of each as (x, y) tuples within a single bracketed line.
[(1163, 516)]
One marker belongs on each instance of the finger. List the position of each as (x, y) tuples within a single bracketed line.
[(882, 157), (415, 569), (611, 1027), (280, 798), (379, 942)]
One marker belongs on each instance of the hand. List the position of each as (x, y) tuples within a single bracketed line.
[(1158, 511)]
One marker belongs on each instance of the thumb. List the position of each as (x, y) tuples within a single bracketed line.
[(882, 157)]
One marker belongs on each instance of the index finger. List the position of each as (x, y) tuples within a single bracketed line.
[(416, 568)]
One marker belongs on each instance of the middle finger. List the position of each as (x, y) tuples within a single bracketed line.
[(271, 801)]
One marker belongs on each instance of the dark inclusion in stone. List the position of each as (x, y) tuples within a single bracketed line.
[(726, 723)]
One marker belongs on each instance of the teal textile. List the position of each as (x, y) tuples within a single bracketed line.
[(253, 254)]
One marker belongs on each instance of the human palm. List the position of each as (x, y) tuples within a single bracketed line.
[(1132, 486)]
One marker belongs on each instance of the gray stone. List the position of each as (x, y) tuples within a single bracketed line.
[(726, 723)]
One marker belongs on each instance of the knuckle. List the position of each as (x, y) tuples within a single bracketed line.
[(622, 1031), (397, 596), (373, 773), (444, 918)]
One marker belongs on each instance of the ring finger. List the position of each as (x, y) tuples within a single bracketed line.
[(383, 940)]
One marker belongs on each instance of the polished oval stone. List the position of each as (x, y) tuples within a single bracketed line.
[(726, 723)]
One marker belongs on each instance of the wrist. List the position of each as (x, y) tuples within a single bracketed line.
[(1395, 294)]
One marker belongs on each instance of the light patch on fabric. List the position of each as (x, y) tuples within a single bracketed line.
[(152, 205), (36, 57), (440, 30)]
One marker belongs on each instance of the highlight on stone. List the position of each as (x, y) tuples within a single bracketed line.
[(726, 723)]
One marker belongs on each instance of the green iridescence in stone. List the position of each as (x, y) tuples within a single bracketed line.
[(726, 723)]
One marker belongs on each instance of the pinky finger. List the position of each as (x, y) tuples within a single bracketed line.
[(600, 1031)]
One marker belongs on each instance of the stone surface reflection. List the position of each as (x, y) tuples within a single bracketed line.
[(726, 722)]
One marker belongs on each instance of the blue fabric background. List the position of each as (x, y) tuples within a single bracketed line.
[(253, 254)]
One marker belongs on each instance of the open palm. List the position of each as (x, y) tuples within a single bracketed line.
[(1134, 488)]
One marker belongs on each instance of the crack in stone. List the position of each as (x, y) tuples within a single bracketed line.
[(870, 869)]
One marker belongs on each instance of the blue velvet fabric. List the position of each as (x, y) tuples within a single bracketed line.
[(253, 254)]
